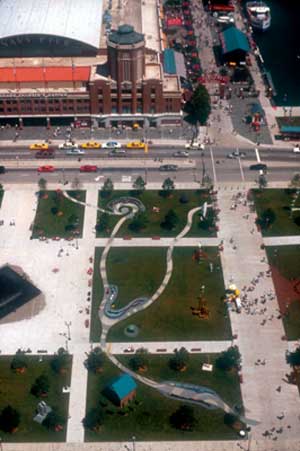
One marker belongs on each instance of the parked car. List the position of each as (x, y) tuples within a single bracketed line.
[(75, 152), (2, 170), (39, 146), (91, 145), (181, 153), (168, 167), (135, 145), (46, 168), (88, 168), (111, 145), (236, 154), (68, 145), (296, 149), (258, 167)]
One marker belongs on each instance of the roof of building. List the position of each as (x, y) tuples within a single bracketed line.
[(123, 385), (44, 74), (125, 35), (290, 129), (173, 63), (234, 39), (71, 19)]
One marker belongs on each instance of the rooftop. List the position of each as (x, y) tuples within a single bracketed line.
[(72, 19), (234, 39), (125, 35), (44, 74), (123, 385)]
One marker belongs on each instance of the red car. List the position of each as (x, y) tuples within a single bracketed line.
[(46, 169), (88, 168)]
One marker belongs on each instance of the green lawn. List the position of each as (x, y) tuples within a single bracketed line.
[(152, 199), (286, 260), (15, 390), (50, 224), (149, 419), (1, 196), (133, 278), (170, 317), (278, 200)]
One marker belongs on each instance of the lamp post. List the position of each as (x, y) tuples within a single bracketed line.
[(133, 443), (68, 324), (203, 165)]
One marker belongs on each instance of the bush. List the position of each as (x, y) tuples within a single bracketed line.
[(53, 421), (266, 219), (184, 199), (54, 211), (41, 386), (93, 419), (9, 419), (229, 359), (138, 223), (183, 418), (170, 221), (230, 419), (18, 362)]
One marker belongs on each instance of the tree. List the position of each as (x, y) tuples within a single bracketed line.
[(103, 223), (42, 184), (61, 361), (262, 181), (18, 362), (139, 222), (183, 418), (139, 185), (107, 188), (295, 182), (266, 219), (40, 386), (9, 419), (167, 187), (53, 421), (170, 221), (93, 419), (230, 419), (95, 360), (229, 359), (209, 221), (140, 360), (198, 107), (293, 358), (180, 359)]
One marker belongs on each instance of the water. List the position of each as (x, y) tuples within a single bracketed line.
[(280, 49)]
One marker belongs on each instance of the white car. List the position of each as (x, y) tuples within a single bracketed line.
[(75, 151), (68, 145), (296, 149), (111, 145), (181, 153), (195, 145)]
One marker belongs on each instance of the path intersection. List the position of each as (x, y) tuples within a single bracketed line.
[(66, 293)]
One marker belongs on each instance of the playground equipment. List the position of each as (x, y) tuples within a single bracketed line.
[(199, 255), (202, 311), (232, 294)]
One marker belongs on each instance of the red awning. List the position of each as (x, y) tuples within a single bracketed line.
[(43, 74), (174, 22)]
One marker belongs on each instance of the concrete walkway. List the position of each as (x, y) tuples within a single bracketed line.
[(168, 347), (282, 240), (241, 262)]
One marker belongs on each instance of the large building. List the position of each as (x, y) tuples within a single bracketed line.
[(57, 64)]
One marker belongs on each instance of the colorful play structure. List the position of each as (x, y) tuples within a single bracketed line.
[(202, 311), (232, 295)]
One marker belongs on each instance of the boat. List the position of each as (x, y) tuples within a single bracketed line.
[(259, 15)]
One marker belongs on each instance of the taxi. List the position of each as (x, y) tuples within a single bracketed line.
[(91, 145), (39, 146), (135, 145)]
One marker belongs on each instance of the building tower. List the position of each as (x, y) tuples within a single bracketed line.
[(126, 62)]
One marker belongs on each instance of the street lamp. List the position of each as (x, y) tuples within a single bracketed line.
[(68, 324), (133, 442)]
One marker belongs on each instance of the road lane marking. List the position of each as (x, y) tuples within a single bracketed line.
[(257, 155), (213, 166)]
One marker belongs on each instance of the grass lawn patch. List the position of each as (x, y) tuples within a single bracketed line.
[(136, 271), (170, 317), (284, 261), (150, 199), (58, 216), (279, 200), (149, 416), (1, 196), (15, 390)]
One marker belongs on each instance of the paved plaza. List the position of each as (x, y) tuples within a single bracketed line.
[(66, 292)]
